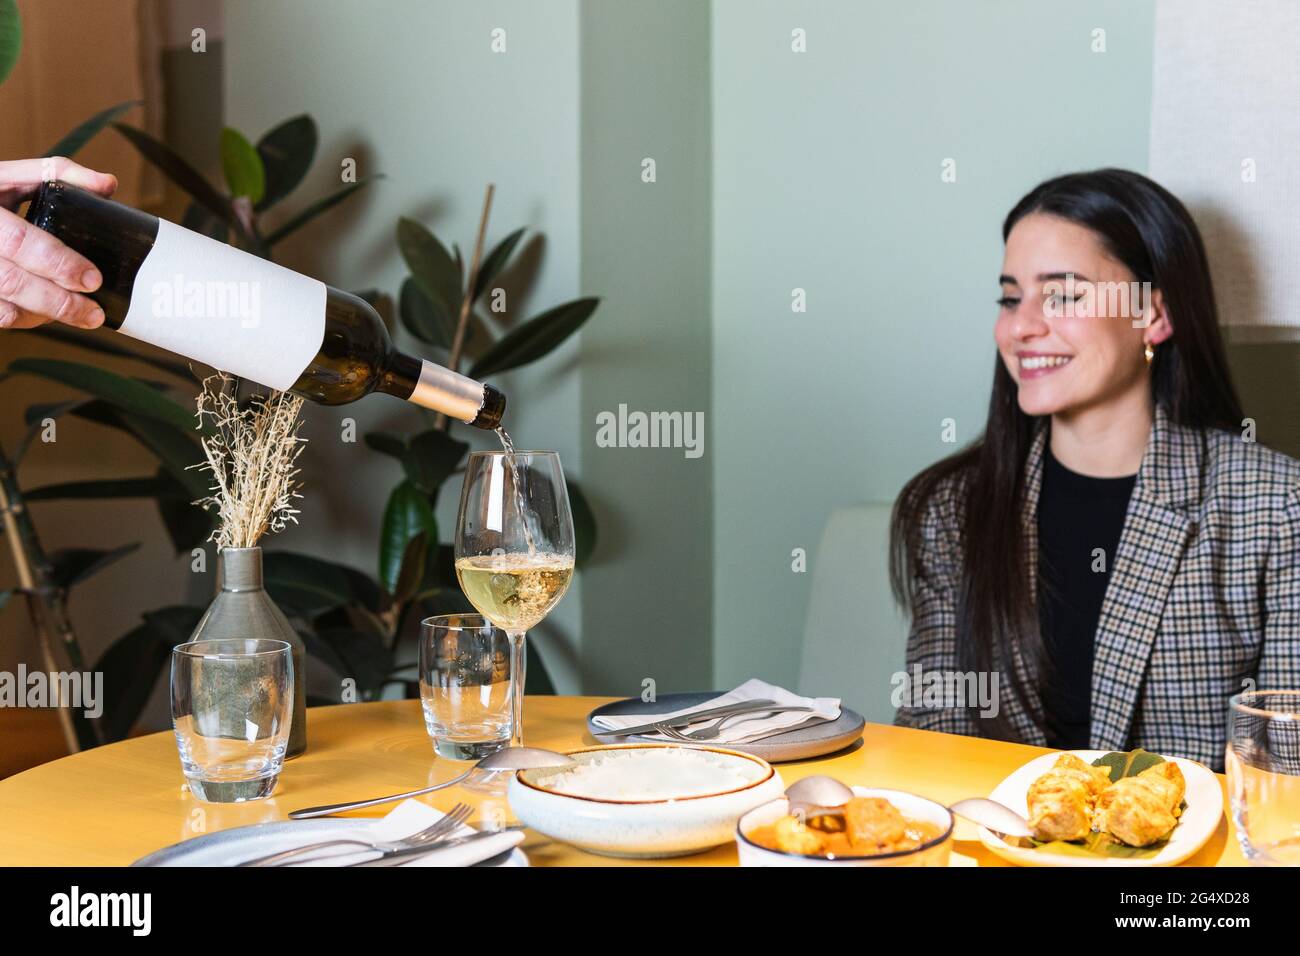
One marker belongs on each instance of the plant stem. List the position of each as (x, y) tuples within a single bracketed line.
[(46, 600), (467, 303)]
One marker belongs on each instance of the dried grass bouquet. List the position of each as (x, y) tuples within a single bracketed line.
[(251, 456)]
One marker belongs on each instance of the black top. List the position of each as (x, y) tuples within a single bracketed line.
[(1077, 515)]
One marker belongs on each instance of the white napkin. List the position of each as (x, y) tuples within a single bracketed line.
[(411, 816), (747, 726)]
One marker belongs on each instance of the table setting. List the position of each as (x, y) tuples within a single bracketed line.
[(757, 775)]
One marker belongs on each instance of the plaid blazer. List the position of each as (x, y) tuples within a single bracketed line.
[(1203, 597)]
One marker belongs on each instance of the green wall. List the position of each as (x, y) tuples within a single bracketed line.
[(411, 88), (645, 247), (775, 171), (827, 178)]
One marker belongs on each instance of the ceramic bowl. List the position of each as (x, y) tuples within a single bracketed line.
[(641, 828), (934, 853)]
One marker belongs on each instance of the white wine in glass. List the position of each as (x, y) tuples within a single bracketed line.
[(514, 548)]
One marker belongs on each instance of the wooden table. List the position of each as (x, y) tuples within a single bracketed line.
[(114, 804)]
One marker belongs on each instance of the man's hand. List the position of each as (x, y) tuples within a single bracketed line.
[(40, 277)]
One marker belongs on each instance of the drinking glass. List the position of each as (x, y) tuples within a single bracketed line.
[(465, 685), (1263, 764), (232, 705), (514, 548)]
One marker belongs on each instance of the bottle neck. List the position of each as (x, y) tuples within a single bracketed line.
[(241, 569), (442, 390)]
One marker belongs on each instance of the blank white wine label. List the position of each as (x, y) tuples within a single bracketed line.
[(227, 308)]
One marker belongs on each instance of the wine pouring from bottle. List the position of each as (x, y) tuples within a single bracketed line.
[(202, 299)]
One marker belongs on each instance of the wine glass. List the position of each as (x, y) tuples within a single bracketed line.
[(1263, 769), (514, 548)]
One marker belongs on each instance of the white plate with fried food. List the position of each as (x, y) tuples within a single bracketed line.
[(1081, 817)]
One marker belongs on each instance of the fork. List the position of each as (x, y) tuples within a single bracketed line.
[(424, 838), (713, 731)]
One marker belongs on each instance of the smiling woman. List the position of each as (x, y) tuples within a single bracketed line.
[(1135, 558)]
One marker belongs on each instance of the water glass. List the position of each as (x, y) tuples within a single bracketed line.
[(1263, 764), (232, 706), (465, 666)]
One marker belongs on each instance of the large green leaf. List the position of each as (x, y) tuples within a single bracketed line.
[(432, 457), (1121, 765), (69, 566), (11, 36), (387, 444), (431, 265), (180, 172), (427, 321), (81, 135), (317, 208), (34, 416), (411, 573), (495, 261), (355, 653), (287, 152), (129, 394), (428, 458), (188, 525), (534, 338), (311, 585), (242, 166), (440, 573), (106, 488), (196, 218), (105, 342), (408, 513), (175, 448), (132, 664), (584, 524)]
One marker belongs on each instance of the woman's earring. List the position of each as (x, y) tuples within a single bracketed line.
[(1149, 352)]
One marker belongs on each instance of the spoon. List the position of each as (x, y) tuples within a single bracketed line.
[(1001, 819), (508, 758), (821, 795), (818, 795)]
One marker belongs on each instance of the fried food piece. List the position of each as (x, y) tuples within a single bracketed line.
[(1173, 782), (792, 835), (874, 825), (1094, 779), (1063, 800), (1143, 809)]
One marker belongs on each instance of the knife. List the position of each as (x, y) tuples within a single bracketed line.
[(741, 707), (400, 857)]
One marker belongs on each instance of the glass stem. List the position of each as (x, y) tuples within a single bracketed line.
[(518, 681)]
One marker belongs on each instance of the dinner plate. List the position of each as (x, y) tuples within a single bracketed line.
[(1204, 798), (229, 847), (797, 743)]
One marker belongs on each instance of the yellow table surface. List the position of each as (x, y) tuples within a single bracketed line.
[(115, 804)]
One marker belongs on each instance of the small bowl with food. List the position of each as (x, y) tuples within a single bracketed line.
[(875, 828), (644, 800)]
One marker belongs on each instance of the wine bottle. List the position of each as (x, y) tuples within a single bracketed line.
[(207, 301)]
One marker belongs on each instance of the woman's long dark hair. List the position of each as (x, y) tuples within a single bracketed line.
[(1145, 227)]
